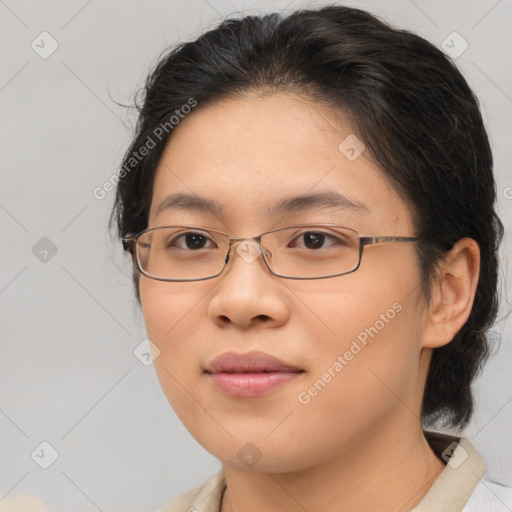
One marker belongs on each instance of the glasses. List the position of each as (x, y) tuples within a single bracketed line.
[(304, 251)]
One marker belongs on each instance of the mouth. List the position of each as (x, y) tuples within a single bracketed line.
[(249, 375)]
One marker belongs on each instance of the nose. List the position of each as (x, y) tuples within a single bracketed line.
[(248, 294)]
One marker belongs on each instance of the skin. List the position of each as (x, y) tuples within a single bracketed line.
[(358, 445)]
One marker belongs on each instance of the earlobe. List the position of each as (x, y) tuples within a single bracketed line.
[(452, 293)]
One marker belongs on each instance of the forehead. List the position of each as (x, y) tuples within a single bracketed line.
[(248, 154)]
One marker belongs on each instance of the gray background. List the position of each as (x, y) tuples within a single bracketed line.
[(68, 374)]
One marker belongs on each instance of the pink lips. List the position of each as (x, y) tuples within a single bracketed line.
[(249, 375)]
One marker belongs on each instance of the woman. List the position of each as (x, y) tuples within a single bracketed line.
[(309, 204)]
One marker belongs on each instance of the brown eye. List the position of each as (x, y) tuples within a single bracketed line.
[(315, 240), (190, 241)]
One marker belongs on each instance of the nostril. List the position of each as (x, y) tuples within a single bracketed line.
[(225, 319)]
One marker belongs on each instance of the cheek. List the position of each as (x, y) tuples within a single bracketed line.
[(169, 307), (379, 351), (172, 317), (373, 353)]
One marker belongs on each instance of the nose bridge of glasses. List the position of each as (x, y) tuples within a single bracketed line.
[(248, 248)]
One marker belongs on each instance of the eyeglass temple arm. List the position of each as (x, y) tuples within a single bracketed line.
[(372, 240)]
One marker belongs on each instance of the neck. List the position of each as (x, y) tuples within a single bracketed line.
[(390, 468)]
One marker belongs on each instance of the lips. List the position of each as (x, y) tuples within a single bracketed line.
[(251, 362), (249, 375)]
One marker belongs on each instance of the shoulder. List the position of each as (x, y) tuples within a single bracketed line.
[(489, 496), (205, 498)]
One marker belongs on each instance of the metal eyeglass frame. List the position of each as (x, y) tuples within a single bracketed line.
[(131, 241)]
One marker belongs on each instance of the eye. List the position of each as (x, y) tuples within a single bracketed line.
[(315, 240), (191, 241)]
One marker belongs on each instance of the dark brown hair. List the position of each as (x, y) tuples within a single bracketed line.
[(411, 107)]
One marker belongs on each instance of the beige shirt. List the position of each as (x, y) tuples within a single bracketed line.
[(460, 487)]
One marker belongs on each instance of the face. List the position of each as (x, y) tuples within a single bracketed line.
[(347, 346)]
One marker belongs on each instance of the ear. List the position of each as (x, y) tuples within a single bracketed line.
[(452, 293)]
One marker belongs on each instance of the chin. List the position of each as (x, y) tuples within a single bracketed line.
[(260, 454)]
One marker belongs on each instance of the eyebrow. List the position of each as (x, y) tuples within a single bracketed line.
[(286, 205)]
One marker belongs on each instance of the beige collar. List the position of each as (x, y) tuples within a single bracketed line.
[(464, 469)]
